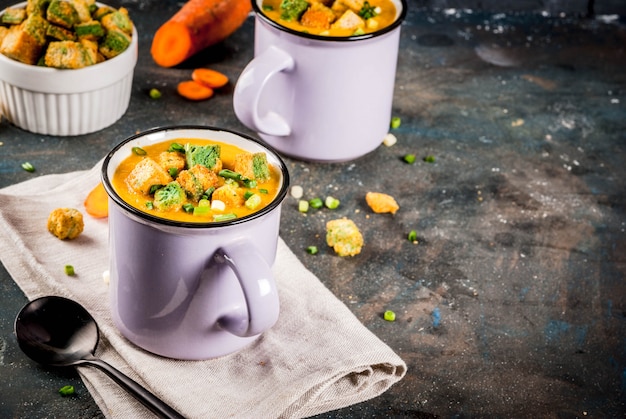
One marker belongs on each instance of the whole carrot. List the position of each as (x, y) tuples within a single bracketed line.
[(196, 26)]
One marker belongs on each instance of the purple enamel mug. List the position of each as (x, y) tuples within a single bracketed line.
[(319, 98), (190, 290)]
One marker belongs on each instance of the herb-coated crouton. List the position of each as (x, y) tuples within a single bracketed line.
[(170, 197), (171, 160), (91, 30), (349, 20), (381, 203), (62, 13), (344, 237), (82, 9), (13, 16), (21, 46), (114, 43), (146, 174), (318, 16), (3, 31), (229, 194), (118, 20), (69, 55), (197, 180), (355, 5), (252, 166), (206, 155), (65, 223), (102, 11), (59, 33), (36, 26), (37, 7)]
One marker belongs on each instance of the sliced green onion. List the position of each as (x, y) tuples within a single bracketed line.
[(66, 390), (264, 191), (28, 167), (395, 122), (429, 159), (247, 194), (173, 171), (303, 206), (188, 208), (149, 204), (311, 250), (389, 316), (253, 202), (331, 202), (154, 188), (201, 210), (409, 158), (412, 236), (69, 270), (155, 93), (139, 151), (316, 203), (229, 174), (224, 217), (176, 147)]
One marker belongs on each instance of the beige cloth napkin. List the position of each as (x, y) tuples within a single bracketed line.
[(317, 358)]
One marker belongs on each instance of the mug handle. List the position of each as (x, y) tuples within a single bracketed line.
[(258, 286), (250, 86)]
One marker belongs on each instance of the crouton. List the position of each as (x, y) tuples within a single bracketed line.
[(146, 174), (91, 30), (170, 197), (59, 33), (252, 166), (207, 155), (3, 31), (102, 11), (118, 20), (82, 10), (344, 237), (13, 16), (355, 5), (318, 16), (229, 194), (349, 20), (21, 46), (66, 223), (381, 203), (197, 180), (37, 7), (62, 13), (69, 55), (171, 160), (114, 43)]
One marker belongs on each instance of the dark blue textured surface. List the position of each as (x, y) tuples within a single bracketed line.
[(513, 303)]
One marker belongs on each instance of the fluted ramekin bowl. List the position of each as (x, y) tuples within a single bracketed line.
[(67, 102)]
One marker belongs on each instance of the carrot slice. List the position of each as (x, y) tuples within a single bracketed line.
[(210, 78), (97, 202), (196, 26), (193, 90)]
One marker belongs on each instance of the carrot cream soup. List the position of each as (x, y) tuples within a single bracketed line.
[(196, 180)]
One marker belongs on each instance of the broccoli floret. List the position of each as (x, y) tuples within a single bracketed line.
[(292, 9), (169, 197), (206, 155)]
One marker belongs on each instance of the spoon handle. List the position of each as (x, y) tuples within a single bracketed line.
[(156, 405)]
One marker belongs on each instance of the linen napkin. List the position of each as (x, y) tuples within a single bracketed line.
[(317, 358)]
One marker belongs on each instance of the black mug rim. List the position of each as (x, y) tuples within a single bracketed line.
[(278, 199), (259, 13)]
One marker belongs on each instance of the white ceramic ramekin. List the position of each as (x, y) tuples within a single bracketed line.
[(67, 102)]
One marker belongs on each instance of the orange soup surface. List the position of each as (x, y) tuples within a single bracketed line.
[(332, 17), (196, 180)]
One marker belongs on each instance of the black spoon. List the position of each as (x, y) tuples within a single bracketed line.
[(60, 332)]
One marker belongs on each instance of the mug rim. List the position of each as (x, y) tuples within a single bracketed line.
[(259, 13), (277, 201)]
